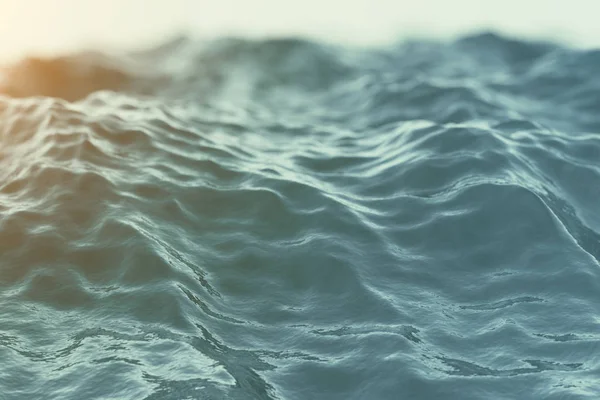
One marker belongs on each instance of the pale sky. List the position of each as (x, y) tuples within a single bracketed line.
[(45, 26)]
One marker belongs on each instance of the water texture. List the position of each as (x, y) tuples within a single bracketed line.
[(287, 219)]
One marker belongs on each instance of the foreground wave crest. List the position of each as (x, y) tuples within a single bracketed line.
[(285, 219)]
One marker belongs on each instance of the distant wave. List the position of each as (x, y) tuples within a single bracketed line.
[(286, 219)]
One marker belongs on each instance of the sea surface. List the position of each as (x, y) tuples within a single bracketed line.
[(292, 219)]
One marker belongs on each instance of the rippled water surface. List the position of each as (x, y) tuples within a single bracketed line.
[(286, 219)]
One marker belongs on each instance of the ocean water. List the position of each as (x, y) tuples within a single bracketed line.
[(290, 219)]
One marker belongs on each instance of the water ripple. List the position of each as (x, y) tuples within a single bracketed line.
[(285, 219)]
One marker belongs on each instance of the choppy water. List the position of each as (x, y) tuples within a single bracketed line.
[(285, 219)]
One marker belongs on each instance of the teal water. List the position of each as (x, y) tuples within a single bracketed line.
[(287, 219)]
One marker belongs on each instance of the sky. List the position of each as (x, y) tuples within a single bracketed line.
[(50, 26)]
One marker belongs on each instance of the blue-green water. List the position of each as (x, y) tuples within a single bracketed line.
[(285, 219)]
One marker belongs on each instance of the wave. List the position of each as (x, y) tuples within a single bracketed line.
[(282, 218)]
